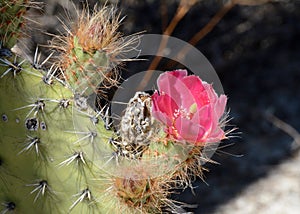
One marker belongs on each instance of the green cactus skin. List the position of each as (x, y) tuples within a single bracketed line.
[(41, 152), (86, 69)]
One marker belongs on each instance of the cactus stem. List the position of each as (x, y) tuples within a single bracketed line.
[(190, 168), (147, 195), (91, 50)]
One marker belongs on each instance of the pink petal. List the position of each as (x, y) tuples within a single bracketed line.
[(188, 93), (166, 83), (220, 105), (196, 88), (216, 133), (162, 117), (210, 92), (216, 136), (171, 84), (179, 73), (189, 131), (164, 104), (204, 117)]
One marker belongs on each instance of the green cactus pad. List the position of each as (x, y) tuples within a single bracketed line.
[(41, 152)]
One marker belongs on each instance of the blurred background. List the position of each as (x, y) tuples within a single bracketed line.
[(254, 47)]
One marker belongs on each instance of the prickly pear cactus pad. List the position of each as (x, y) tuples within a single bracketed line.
[(60, 152), (42, 163)]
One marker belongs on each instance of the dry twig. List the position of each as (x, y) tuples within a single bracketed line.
[(287, 128)]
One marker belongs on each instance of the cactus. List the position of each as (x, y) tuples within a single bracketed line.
[(57, 153)]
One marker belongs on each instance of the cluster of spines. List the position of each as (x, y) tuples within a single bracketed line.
[(91, 51)]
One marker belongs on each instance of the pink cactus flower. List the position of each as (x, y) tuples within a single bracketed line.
[(189, 108)]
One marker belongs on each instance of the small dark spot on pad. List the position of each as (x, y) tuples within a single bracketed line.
[(4, 117), (43, 126)]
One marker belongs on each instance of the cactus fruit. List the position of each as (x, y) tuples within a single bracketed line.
[(57, 153)]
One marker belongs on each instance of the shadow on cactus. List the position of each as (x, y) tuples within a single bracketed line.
[(58, 153)]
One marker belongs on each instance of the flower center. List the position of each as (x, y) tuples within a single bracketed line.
[(182, 112)]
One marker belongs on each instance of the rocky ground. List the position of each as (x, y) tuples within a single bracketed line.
[(276, 193), (255, 51)]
